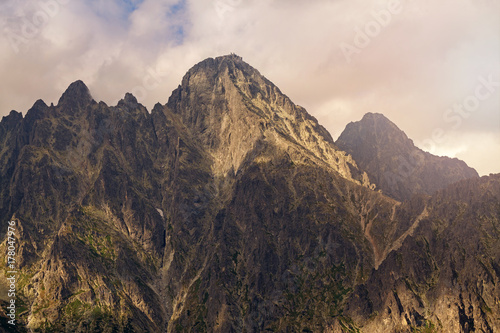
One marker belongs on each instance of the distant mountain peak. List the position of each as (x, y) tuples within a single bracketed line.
[(381, 123), (76, 95), (39, 104), (394, 163), (229, 64), (374, 115), (225, 58), (229, 57), (129, 99)]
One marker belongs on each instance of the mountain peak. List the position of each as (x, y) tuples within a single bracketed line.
[(225, 58), (374, 116), (233, 108), (396, 165), (381, 124), (229, 57), (129, 99), (231, 64), (76, 95), (372, 130)]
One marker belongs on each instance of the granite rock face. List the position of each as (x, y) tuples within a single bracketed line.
[(394, 164), (230, 209), (233, 110)]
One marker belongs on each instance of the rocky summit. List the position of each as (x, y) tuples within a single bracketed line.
[(392, 161), (231, 209)]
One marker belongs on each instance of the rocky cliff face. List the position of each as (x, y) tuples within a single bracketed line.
[(442, 273), (229, 209), (392, 161), (232, 109)]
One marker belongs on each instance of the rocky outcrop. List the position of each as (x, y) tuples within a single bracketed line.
[(444, 276), (392, 161), (229, 209)]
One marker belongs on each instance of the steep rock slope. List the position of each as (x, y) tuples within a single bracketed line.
[(442, 276), (393, 162)]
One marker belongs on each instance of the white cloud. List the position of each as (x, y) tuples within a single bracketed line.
[(480, 153), (428, 57)]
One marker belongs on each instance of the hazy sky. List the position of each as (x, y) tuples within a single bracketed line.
[(432, 67)]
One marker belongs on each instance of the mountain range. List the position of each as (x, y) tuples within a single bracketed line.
[(231, 209)]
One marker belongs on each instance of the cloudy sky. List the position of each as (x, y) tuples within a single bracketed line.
[(432, 67)]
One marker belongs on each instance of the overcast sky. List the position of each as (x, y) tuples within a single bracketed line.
[(432, 67)]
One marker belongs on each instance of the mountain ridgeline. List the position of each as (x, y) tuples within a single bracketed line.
[(392, 161), (230, 209)]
